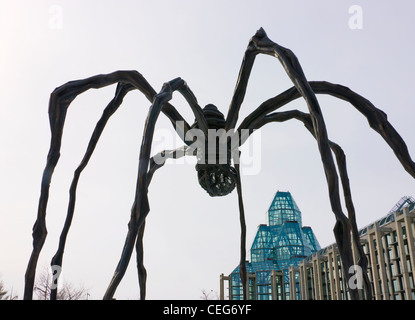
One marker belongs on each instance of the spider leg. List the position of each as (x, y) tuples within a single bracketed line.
[(260, 43), (242, 263), (141, 270), (240, 89), (341, 163), (156, 163), (121, 91), (140, 207), (60, 100), (159, 160), (377, 119)]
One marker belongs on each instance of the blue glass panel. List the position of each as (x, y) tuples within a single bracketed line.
[(280, 243)]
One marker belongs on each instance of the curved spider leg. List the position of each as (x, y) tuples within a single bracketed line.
[(260, 43), (140, 207), (60, 100), (121, 91), (362, 259), (159, 160), (242, 263), (376, 118), (342, 167), (154, 165), (240, 88)]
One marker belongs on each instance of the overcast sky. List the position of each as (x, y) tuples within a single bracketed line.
[(190, 237)]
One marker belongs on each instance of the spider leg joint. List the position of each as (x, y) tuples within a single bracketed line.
[(260, 33), (261, 40)]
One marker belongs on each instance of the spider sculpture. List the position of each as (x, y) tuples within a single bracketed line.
[(218, 179)]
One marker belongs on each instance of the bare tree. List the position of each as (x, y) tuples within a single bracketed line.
[(67, 291), (209, 295), (4, 295)]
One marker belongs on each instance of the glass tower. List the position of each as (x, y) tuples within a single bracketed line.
[(278, 244)]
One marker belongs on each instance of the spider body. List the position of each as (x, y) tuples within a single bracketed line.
[(214, 118), (217, 145), (214, 169), (217, 179)]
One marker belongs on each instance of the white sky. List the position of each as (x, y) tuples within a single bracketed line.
[(190, 238)]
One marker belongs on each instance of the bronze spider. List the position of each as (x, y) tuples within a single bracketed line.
[(220, 177)]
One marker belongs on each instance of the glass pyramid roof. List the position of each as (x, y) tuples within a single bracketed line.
[(283, 241), (283, 208)]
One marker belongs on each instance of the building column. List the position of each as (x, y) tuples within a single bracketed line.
[(274, 275), (290, 275), (293, 288), (374, 267), (356, 258), (304, 278), (317, 277), (409, 225), (337, 270), (224, 278), (273, 285), (369, 267), (330, 254), (388, 263), (402, 255), (381, 261), (254, 286), (300, 269), (325, 277), (281, 275)]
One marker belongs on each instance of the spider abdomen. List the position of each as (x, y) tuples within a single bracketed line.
[(217, 178)]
